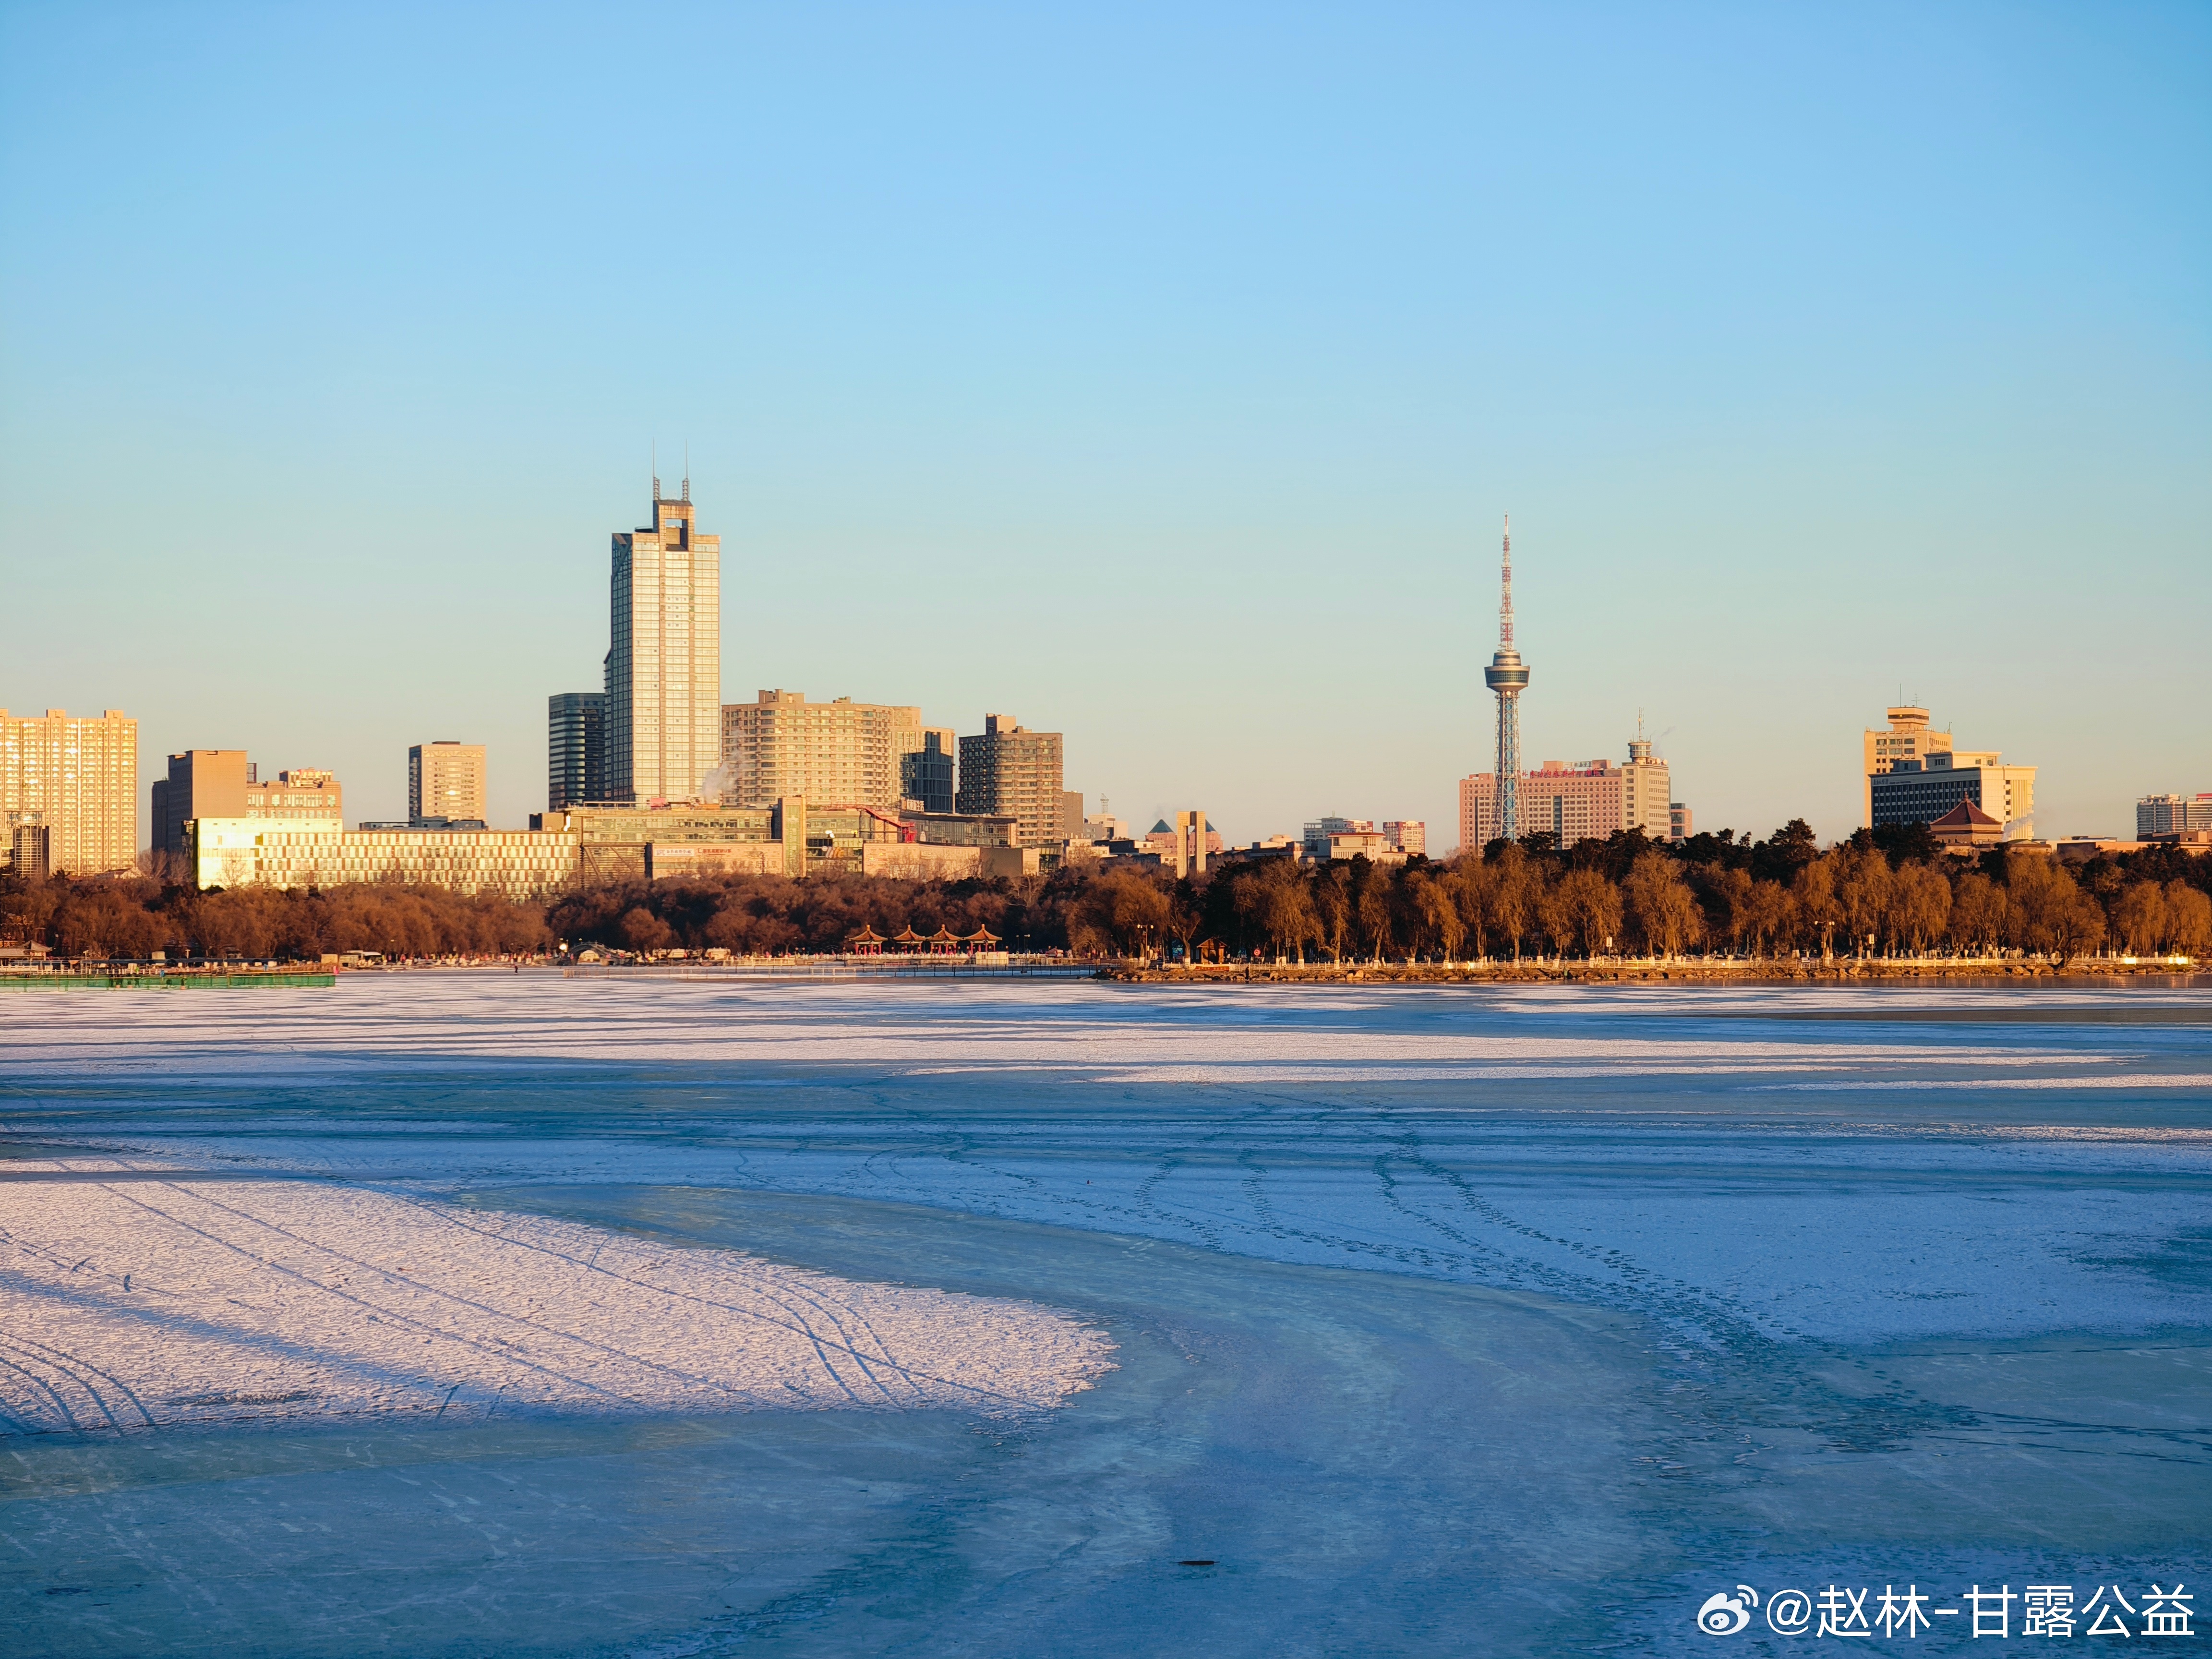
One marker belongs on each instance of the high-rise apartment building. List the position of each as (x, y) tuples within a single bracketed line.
[(664, 670), (1910, 737), (1587, 800), (576, 749), (839, 753), (1008, 770), (2172, 815), (926, 775), (78, 779), (446, 780)]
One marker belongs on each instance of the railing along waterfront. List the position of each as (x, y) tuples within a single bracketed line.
[(844, 966)]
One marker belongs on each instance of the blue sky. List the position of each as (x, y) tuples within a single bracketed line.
[(1157, 376)]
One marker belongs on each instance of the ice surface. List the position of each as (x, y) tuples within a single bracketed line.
[(152, 1305), (1445, 1321)]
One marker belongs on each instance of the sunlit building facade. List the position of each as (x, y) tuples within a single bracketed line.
[(664, 668), (76, 778)]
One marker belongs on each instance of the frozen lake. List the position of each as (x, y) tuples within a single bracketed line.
[(477, 1312)]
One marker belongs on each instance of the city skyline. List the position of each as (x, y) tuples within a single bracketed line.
[(1183, 432)]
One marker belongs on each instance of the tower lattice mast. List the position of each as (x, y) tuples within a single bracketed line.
[(1508, 676)]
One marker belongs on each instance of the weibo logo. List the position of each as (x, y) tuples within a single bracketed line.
[(1724, 1614)]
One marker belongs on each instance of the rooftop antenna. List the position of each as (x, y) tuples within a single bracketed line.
[(1505, 604), (687, 469), (656, 469)]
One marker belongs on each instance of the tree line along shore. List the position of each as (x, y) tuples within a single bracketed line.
[(1891, 896)]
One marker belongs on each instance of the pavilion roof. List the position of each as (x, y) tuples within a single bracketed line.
[(1966, 815)]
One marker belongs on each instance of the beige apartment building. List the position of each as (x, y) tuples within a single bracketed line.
[(852, 754), (76, 779), (446, 780), (1582, 801), (1910, 737), (664, 668), (1011, 771)]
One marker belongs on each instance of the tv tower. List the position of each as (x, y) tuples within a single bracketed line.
[(1508, 676)]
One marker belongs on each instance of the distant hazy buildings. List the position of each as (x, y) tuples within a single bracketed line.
[(2172, 815), (1680, 822), (663, 667), (1392, 842), (446, 781), (1582, 801), (75, 781), (1011, 771), (852, 754), (575, 748)]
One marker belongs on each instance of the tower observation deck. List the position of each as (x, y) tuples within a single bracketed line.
[(1508, 676)]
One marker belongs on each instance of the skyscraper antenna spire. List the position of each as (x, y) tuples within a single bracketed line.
[(655, 453), (687, 469), (1505, 603)]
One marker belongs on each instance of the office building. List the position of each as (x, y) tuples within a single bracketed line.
[(926, 775), (1910, 737), (222, 783), (576, 749), (2172, 815), (1582, 801), (77, 779), (1406, 835), (791, 837), (1922, 791), (852, 754), (1679, 821), (202, 783), (516, 863), (1011, 771), (31, 850), (446, 780), (663, 667)]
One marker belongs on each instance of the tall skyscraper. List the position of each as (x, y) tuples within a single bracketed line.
[(446, 780), (576, 749), (1010, 771), (78, 779), (1508, 676), (665, 667)]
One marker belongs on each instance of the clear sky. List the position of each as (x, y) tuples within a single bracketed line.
[(1159, 375)]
